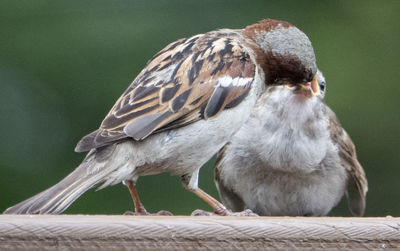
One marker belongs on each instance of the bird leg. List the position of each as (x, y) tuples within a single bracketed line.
[(190, 182), (218, 207), (139, 208)]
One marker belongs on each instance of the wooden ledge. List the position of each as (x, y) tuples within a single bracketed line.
[(99, 232)]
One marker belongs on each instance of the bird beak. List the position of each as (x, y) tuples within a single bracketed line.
[(313, 86)]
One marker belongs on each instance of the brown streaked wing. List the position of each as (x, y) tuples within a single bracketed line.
[(191, 79), (357, 186)]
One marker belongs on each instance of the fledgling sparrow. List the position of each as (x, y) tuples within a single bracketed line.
[(291, 158), (185, 105)]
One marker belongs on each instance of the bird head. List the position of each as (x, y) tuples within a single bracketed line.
[(284, 52)]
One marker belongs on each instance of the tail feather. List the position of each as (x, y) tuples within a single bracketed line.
[(59, 197)]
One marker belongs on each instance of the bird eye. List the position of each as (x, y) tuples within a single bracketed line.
[(322, 85)]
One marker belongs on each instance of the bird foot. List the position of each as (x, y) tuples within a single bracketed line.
[(200, 212), (245, 213), (145, 213)]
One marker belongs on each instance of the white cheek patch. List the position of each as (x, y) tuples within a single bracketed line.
[(290, 86), (229, 81)]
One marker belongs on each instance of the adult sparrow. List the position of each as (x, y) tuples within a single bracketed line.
[(292, 157), (183, 107)]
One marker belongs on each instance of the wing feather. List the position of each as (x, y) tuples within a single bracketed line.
[(357, 186), (226, 193), (190, 79)]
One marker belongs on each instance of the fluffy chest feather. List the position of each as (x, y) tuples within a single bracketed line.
[(293, 130), (282, 161)]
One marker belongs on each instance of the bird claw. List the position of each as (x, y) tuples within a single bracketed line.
[(159, 213), (164, 213), (200, 212), (245, 213)]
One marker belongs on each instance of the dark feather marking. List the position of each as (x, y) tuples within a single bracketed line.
[(141, 127), (196, 101), (147, 80), (195, 56), (139, 79), (139, 104), (160, 83), (237, 100), (203, 51), (86, 143), (211, 41), (97, 139), (142, 92), (139, 90), (174, 45), (219, 67), (127, 93), (168, 93), (188, 49), (167, 58), (138, 113), (176, 57), (211, 57), (229, 64), (124, 102), (347, 157), (112, 121), (202, 110), (165, 66), (193, 73), (180, 122), (216, 101), (130, 107), (155, 68), (194, 39), (179, 101), (244, 56), (243, 65), (168, 48), (227, 49), (224, 34), (176, 70)]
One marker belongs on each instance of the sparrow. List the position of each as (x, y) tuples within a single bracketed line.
[(291, 158), (184, 106)]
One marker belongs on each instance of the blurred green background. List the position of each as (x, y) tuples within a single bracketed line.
[(63, 64)]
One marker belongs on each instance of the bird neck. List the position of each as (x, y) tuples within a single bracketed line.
[(295, 130)]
